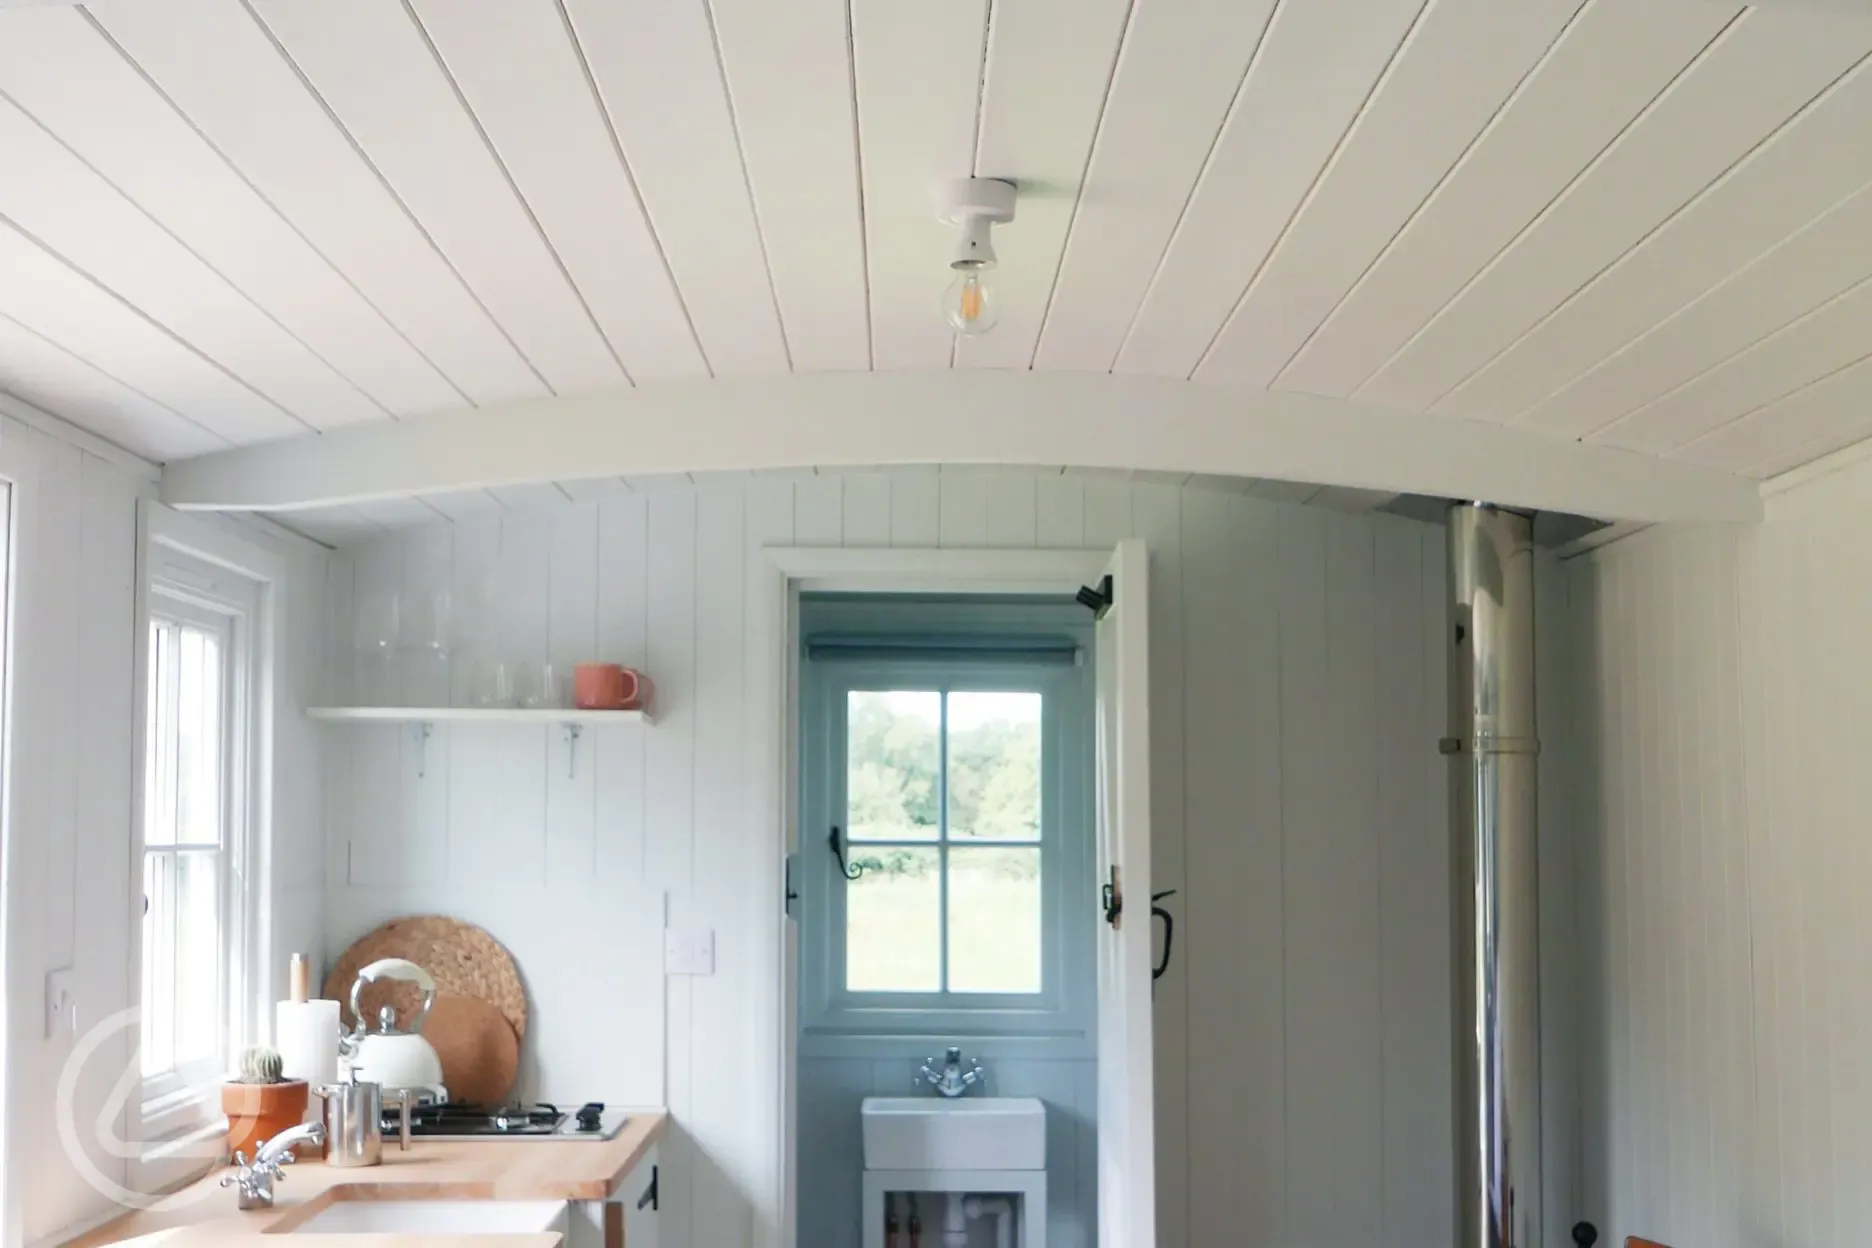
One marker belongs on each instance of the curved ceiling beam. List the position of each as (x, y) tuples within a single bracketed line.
[(864, 419)]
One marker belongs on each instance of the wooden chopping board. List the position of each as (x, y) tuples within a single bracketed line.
[(464, 960), (479, 1051)]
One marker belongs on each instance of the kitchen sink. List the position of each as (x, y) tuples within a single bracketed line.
[(967, 1133), (435, 1217)]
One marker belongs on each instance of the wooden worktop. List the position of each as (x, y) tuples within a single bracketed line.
[(204, 1213)]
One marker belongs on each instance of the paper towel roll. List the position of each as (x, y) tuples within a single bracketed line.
[(307, 1038)]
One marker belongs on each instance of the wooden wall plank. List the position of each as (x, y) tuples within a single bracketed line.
[(1271, 150), (374, 68), (728, 1155), (52, 300), (1794, 283), (76, 215), (216, 63), (867, 509), (659, 73), (1044, 91), (1170, 93), (618, 751), (51, 378), (916, 509), (1731, 203), (1600, 73), (521, 73), (58, 67), (789, 77), (1460, 62), (964, 507)]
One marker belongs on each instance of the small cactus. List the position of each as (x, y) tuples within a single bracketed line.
[(261, 1064)]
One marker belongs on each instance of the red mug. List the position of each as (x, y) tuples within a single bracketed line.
[(609, 687)]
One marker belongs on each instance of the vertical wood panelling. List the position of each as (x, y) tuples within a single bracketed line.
[(1413, 907), (74, 706), (1302, 1028)]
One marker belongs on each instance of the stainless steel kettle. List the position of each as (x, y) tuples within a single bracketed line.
[(397, 1059)]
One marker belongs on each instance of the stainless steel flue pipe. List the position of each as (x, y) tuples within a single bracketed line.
[(1495, 885)]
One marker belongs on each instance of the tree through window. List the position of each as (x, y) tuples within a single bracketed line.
[(943, 815)]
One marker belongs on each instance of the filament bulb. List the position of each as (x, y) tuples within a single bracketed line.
[(969, 305)]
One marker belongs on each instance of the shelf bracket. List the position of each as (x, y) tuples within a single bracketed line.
[(572, 734), (421, 730)]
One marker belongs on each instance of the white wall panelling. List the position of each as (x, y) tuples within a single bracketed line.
[(1296, 702), (74, 702), (1718, 754)]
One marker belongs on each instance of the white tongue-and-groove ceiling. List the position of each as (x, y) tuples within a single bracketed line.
[(1645, 224)]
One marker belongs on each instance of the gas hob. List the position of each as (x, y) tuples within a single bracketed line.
[(591, 1121)]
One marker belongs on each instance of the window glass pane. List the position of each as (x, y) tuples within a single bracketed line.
[(159, 818), (199, 738), (994, 920), (893, 921), (994, 766), (197, 957), (892, 759)]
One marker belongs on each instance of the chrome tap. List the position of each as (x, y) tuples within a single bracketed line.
[(254, 1182), (952, 1080)]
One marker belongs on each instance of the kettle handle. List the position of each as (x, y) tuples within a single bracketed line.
[(394, 968)]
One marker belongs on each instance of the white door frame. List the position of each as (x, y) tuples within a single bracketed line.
[(773, 691)]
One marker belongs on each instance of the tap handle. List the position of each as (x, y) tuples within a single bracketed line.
[(955, 1055)]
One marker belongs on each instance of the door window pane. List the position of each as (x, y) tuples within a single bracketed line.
[(893, 921), (893, 759), (943, 806), (994, 920), (994, 766)]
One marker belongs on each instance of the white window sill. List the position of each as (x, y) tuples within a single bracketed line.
[(177, 1160)]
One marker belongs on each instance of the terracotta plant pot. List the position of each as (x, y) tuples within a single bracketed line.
[(256, 1112)]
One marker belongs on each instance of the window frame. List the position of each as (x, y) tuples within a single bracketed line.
[(1060, 1015), (172, 1108)]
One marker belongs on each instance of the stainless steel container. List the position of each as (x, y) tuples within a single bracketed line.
[(353, 1123)]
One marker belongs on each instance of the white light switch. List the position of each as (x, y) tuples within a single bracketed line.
[(688, 951)]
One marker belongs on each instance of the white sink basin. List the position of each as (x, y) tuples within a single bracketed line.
[(435, 1217), (968, 1133)]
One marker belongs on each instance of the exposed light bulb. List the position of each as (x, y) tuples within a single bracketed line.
[(969, 305)]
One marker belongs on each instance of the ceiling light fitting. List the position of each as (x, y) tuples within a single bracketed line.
[(976, 206)]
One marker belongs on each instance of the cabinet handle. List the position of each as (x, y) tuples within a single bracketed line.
[(649, 1199)]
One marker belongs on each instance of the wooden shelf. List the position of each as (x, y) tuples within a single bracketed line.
[(474, 715)]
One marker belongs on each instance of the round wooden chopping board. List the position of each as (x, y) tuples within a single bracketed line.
[(479, 1051), (464, 960)]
